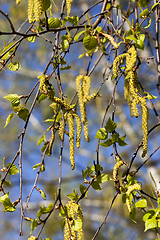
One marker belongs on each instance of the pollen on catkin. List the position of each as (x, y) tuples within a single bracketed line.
[(82, 106), (131, 188), (71, 139), (145, 117), (30, 10), (116, 63), (111, 39), (68, 3), (51, 141), (38, 9), (79, 129), (69, 233), (80, 218)]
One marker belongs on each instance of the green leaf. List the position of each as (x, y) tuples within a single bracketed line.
[(31, 39), (131, 37), (47, 152), (82, 190), (102, 134), (10, 51), (142, 203), (7, 183), (150, 223), (148, 214), (43, 194), (36, 166), (96, 168), (32, 238), (121, 142), (5, 196), (34, 224), (42, 97), (96, 185), (103, 178), (85, 173), (78, 35), (114, 137), (140, 44), (8, 206), (110, 125), (73, 196), (14, 99), (9, 118), (77, 225), (62, 213), (132, 215), (43, 168), (74, 20), (65, 68), (65, 44), (23, 113), (90, 42), (13, 170), (44, 210), (150, 96), (46, 4), (14, 66), (54, 22), (107, 143), (40, 140)]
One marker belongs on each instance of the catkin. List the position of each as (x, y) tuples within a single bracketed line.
[(68, 3), (116, 62), (73, 210), (51, 141), (38, 9), (30, 10), (145, 117), (131, 188), (79, 129), (71, 139)]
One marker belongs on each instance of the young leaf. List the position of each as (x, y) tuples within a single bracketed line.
[(46, 4), (142, 203), (82, 190), (43, 194), (78, 35), (77, 225), (107, 143), (36, 166), (14, 99), (74, 20), (103, 177), (110, 125), (90, 42), (40, 140), (132, 215), (9, 118), (34, 224), (23, 113), (150, 223), (14, 66), (5, 196), (54, 22), (13, 170), (31, 39), (32, 238), (8, 206), (102, 134), (73, 196), (96, 185), (42, 97), (7, 183)]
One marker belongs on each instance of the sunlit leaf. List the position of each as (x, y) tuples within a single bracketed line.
[(13, 170), (8, 206), (9, 118), (14, 99), (14, 66), (78, 35), (34, 224), (77, 225), (31, 39), (23, 113), (142, 203), (54, 22), (110, 125), (90, 42), (102, 134), (43, 194), (150, 224)]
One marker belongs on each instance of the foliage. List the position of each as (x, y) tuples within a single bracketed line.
[(121, 36)]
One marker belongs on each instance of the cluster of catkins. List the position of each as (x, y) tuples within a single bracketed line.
[(74, 212), (131, 90)]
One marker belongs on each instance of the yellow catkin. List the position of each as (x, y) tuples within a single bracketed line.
[(82, 106), (38, 9), (69, 233), (86, 85), (74, 212), (68, 3), (116, 63), (111, 39), (79, 129), (145, 117), (115, 170), (51, 141), (86, 134), (134, 187), (80, 217), (62, 102), (132, 60), (71, 139), (30, 10), (18, 1)]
